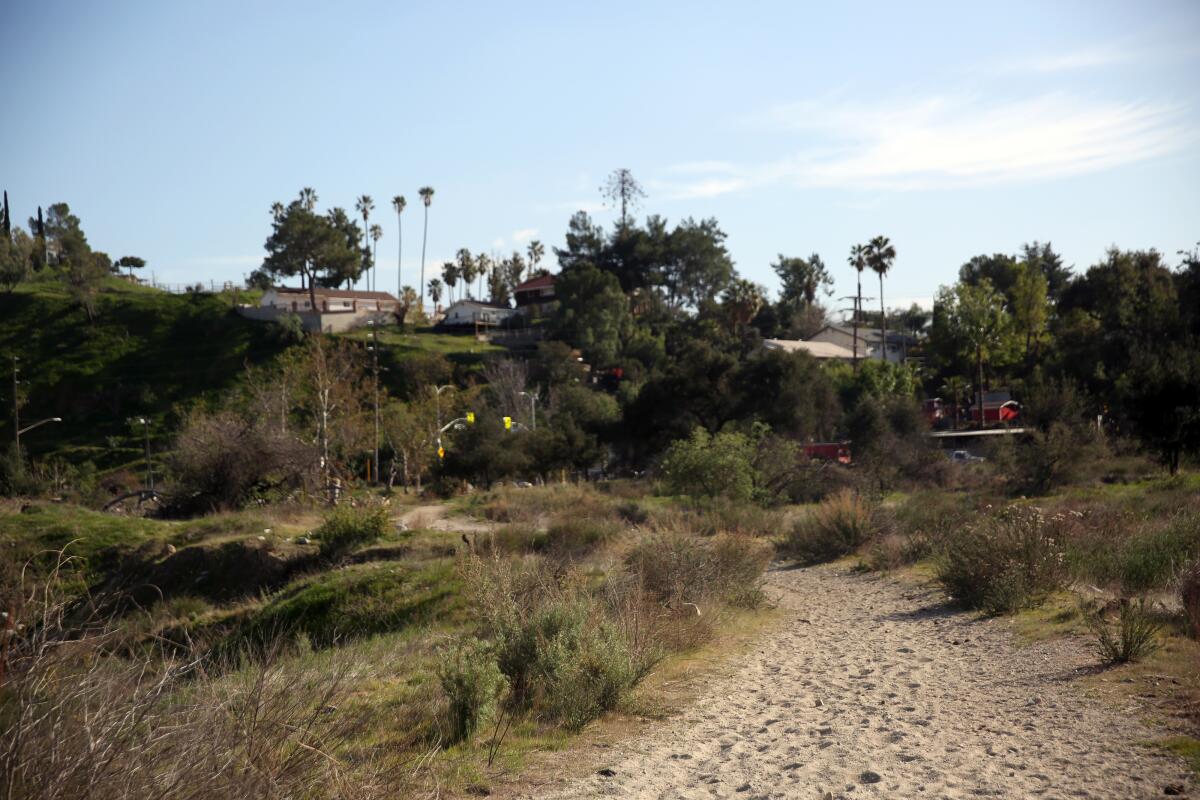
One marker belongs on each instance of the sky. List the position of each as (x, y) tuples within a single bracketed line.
[(953, 128)]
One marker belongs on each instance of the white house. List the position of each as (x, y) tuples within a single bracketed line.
[(328, 300), (819, 350), (869, 341), (471, 313)]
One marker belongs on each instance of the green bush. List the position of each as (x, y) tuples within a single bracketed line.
[(347, 528), (1152, 559), (1189, 595), (838, 526), (1004, 562), (705, 466), (579, 535), (587, 670), (472, 682), (1134, 638)]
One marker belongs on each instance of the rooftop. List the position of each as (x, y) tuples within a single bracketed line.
[(352, 294)]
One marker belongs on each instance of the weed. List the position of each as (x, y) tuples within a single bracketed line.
[(1134, 638), (348, 527), (472, 681), (839, 525)]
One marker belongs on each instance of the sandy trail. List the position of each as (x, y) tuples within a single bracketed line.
[(874, 689)]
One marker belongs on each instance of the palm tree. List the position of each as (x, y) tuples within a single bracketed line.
[(535, 251), (426, 193), (365, 205), (435, 292), (858, 260), (450, 276), (398, 203), (308, 198), (880, 255), (376, 235), (466, 269), (483, 265)]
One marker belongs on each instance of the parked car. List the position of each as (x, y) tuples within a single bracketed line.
[(963, 457)]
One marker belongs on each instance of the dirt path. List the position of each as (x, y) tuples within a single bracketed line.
[(873, 689)]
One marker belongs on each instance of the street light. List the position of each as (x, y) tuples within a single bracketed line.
[(437, 401), (532, 407), (28, 428)]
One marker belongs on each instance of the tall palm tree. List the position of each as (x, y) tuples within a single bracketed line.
[(483, 265), (435, 291), (466, 269), (398, 203), (376, 235), (858, 260), (365, 205), (880, 255), (426, 193), (308, 198), (535, 251), (450, 277)]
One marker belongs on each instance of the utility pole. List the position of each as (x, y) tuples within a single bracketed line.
[(145, 421)]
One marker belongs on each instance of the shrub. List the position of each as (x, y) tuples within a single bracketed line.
[(579, 535), (1135, 635), (838, 526), (631, 512), (678, 568), (1152, 559), (710, 466), (347, 528), (1005, 562), (587, 670), (1189, 594), (471, 681)]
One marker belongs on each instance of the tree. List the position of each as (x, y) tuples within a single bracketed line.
[(697, 267), (426, 193), (483, 269), (399, 203), (376, 235), (131, 263), (466, 269), (858, 260), (435, 291), (1030, 307), (535, 251), (6, 219), (450, 275), (880, 255), (81, 267), (622, 189), (593, 313), (364, 206), (312, 246), (408, 298), (741, 302), (1042, 258), (16, 253), (974, 320)]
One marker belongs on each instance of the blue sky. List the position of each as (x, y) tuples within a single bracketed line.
[(955, 129)]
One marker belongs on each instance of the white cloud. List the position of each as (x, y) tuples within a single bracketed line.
[(499, 243), (947, 142), (1088, 58), (524, 234)]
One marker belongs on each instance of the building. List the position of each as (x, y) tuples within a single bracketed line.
[(328, 300), (535, 297), (819, 350), (337, 310), (474, 314), (869, 339)]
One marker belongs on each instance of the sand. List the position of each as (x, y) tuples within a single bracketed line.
[(871, 688)]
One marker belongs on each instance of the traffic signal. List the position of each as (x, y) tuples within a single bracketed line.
[(441, 453), (508, 423), (470, 417)]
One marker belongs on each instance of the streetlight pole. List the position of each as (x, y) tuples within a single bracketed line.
[(532, 408), (16, 410), (28, 428), (374, 348), (145, 423), (437, 401)]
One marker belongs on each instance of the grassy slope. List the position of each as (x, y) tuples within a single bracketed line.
[(147, 353)]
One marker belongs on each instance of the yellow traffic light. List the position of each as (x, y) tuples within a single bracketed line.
[(470, 417), (508, 423), (441, 452)]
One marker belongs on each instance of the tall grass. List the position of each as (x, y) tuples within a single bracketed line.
[(838, 526)]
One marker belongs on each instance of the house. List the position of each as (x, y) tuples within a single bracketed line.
[(869, 340), (337, 310), (535, 297), (328, 300), (819, 350), (474, 313)]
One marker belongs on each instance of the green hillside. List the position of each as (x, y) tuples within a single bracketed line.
[(147, 353)]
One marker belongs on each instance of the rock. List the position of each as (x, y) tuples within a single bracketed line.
[(745, 787), (870, 777), (817, 703), (607, 772), (302, 540), (1173, 789)]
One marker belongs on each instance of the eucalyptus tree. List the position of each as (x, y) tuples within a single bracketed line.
[(399, 203), (880, 256), (376, 235), (365, 205), (426, 193)]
